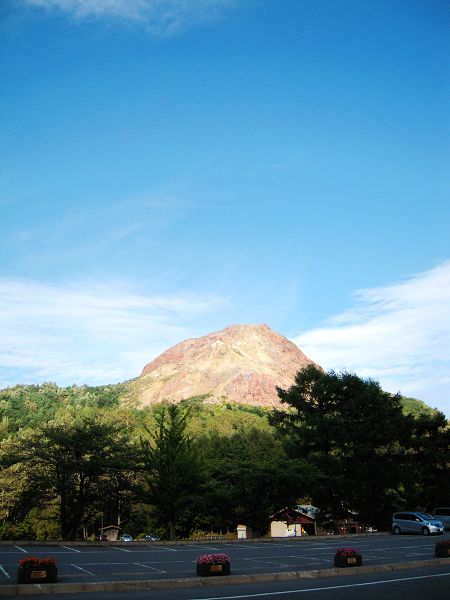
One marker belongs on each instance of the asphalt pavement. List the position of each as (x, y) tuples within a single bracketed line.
[(106, 567)]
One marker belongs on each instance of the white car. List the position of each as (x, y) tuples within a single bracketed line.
[(416, 522), (126, 537)]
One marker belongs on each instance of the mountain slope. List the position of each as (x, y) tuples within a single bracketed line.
[(241, 363)]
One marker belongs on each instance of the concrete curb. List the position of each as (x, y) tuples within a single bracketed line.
[(122, 586)]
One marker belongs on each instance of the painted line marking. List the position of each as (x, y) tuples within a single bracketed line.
[(122, 573), (404, 547), (284, 556), (307, 558), (171, 549), (102, 564), (81, 569), (116, 564), (122, 549), (72, 549), (21, 549), (243, 546), (323, 589), (149, 567), (5, 572), (267, 562)]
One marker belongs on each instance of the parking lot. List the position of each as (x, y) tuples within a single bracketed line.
[(138, 561)]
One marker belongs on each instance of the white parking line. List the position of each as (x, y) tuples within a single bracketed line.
[(122, 573), (119, 548), (307, 558), (149, 567), (81, 569), (267, 562), (69, 548), (5, 573), (403, 547), (21, 549), (284, 556), (252, 547)]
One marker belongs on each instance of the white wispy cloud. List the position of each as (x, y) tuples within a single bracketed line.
[(79, 334), (398, 334), (161, 17)]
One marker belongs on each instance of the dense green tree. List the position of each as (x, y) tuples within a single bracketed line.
[(71, 458), (429, 462), (68, 458), (25, 406), (247, 478), (354, 435), (171, 463)]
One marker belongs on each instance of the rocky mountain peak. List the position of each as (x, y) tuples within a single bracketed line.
[(241, 363)]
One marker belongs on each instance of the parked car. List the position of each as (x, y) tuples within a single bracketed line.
[(416, 522), (126, 537), (151, 537), (443, 514)]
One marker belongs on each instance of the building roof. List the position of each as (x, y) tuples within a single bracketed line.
[(291, 515)]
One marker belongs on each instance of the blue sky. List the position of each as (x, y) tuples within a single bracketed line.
[(170, 167)]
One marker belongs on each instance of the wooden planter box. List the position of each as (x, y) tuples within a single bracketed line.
[(348, 561), (441, 551), (44, 574), (210, 569)]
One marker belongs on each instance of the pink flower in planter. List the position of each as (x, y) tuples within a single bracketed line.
[(205, 559), (346, 552)]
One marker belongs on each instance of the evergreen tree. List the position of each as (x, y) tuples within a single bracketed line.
[(171, 464), (354, 435), (429, 462)]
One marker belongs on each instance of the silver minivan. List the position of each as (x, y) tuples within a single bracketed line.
[(416, 522), (443, 514)]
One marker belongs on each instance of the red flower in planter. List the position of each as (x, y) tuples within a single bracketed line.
[(34, 569), (347, 557), (346, 552), (36, 563)]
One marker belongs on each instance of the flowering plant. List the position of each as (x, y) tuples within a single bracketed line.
[(205, 559), (443, 544), (346, 552), (35, 563)]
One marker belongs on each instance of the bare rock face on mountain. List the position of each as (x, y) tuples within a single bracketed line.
[(242, 363)]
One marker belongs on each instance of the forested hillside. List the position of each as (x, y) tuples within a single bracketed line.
[(74, 459)]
